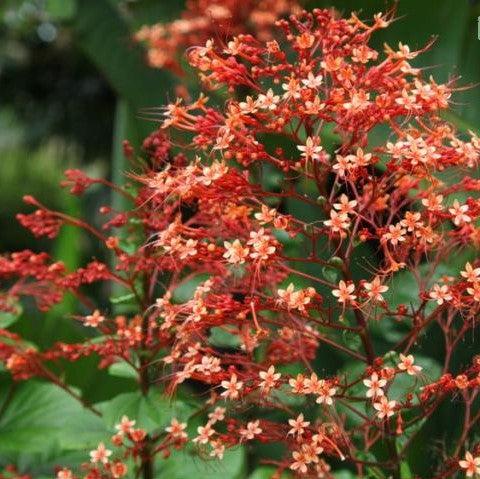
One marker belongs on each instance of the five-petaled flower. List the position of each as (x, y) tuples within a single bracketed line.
[(440, 293), (298, 425), (385, 407), (344, 292), (94, 320), (251, 430), (375, 385), (470, 273), (471, 464), (235, 253), (204, 434), (312, 149), (100, 454), (269, 379), (295, 299), (232, 387), (406, 364), (125, 425), (459, 213), (375, 289), (177, 429)]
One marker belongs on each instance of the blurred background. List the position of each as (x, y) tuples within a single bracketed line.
[(72, 86)]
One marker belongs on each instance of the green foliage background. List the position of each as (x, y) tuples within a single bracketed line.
[(72, 85)]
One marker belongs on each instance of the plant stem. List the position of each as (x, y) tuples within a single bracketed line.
[(147, 463)]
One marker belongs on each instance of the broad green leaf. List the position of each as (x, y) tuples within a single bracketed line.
[(150, 412), (44, 464), (41, 416), (188, 464)]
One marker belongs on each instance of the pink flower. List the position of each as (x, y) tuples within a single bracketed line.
[(251, 430), (298, 425), (177, 429), (232, 387), (471, 464), (385, 407), (101, 454), (406, 364), (344, 292), (125, 426), (375, 289), (235, 253), (459, 213), (269, 378), (204, 434), (94, 320), (440, 294), (312, 149), (375, 385)]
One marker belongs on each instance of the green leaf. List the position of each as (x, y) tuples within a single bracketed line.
[(7, 319), (330, 274), (44, 464), (223, 339), (150, 412), (267, 473), (185, 290), (405, 471), (123, 370), (61, 9), (344, 474), (42, 416), (188, 464)]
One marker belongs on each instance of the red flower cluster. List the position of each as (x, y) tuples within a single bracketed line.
[(219, 210), (203, 19)]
